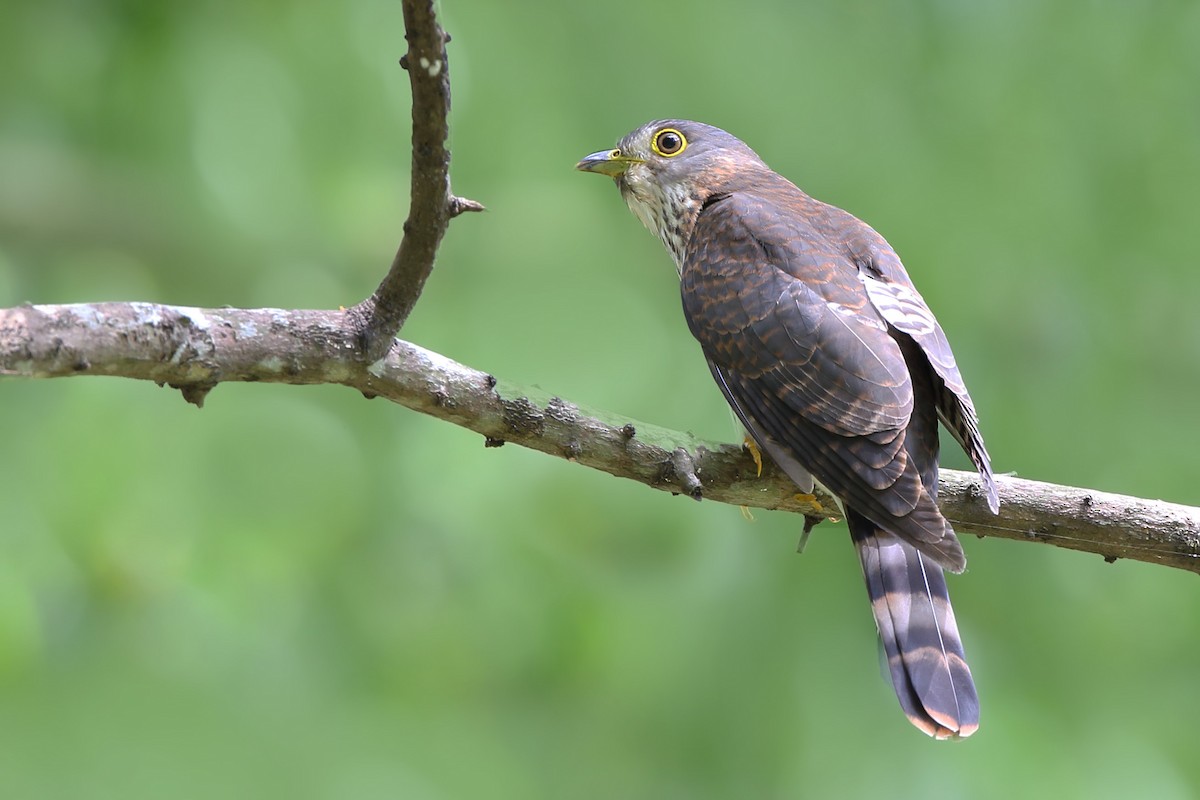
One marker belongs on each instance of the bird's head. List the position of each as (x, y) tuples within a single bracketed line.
[(666, 169)]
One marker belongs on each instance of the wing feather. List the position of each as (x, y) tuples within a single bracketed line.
[(896, 298), (804, 358)]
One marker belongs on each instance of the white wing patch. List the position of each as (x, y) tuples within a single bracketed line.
[(902, 306)]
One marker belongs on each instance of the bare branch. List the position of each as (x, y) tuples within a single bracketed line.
[(431, 205), (192, 348)]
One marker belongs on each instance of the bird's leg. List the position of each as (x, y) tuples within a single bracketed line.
[(755, 453)]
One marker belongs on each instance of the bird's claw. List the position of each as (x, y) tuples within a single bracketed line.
[(811, 499), (755, 453)]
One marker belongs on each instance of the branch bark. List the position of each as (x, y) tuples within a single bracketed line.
[(192, 347)]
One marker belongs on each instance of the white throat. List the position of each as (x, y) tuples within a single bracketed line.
[(668, 213)]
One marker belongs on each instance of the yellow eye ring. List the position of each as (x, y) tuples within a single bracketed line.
[(668, 142)]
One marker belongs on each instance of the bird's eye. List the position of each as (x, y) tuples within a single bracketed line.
[(668, 142)]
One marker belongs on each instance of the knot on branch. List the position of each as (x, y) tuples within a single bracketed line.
[(460, 205), (194, 393), (684, 470)]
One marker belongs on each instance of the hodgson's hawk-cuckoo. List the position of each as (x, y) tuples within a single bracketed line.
[(835, 366)]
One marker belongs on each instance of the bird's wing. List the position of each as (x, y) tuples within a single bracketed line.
[(822, 379), (804, 358), (893, 295)]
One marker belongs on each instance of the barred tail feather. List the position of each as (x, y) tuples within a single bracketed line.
[(916, 624)]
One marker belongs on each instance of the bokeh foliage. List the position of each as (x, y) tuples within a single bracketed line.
[(299, 593)]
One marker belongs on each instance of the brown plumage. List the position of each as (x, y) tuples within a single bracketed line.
[(837, 368)]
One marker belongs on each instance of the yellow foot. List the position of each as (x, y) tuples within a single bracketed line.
[(749, 444), (746, 513), (812, 500)]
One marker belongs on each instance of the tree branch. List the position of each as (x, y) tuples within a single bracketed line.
[(194, 349), (191, 347), (432, 205)]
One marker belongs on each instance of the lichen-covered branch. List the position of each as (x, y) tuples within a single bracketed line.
[(194, 349)]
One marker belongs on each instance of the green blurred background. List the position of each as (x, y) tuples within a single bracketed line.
[(298, 593)]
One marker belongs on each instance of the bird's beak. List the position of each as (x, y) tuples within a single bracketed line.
[(607, 162)]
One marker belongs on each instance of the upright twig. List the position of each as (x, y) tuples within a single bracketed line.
[(432, 205)]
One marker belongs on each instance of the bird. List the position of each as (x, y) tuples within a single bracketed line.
[(835, 367)]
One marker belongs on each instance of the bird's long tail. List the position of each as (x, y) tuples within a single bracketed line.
[(916, 623)]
